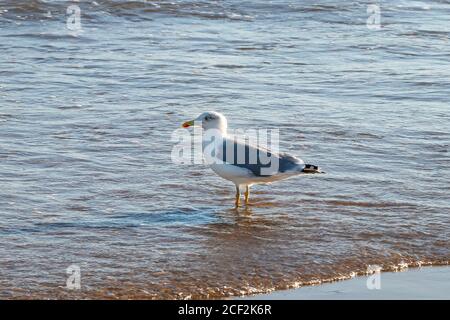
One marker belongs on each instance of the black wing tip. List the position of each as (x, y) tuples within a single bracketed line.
[(310, 168)]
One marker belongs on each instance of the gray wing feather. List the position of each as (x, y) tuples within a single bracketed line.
[(244, 155)]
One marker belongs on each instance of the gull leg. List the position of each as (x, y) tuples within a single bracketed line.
[(247, 194), (238, 196)]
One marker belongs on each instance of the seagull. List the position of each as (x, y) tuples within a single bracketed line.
[(239, 167)]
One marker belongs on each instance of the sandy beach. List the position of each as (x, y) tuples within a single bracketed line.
[(421, 283)]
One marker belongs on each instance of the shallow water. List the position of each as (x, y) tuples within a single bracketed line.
[(86, 120)]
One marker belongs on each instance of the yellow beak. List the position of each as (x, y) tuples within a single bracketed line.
[(188, 124)]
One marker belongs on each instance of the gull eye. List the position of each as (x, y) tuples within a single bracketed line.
[(207, 118)]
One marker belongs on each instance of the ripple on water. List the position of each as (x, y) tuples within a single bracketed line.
[(86, 121)]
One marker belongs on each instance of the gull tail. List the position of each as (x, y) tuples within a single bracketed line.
[(310, 168)]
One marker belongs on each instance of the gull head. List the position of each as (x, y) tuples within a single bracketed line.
[(209, 120)]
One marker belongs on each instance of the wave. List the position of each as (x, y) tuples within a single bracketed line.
[(41, 9), (395, 267)]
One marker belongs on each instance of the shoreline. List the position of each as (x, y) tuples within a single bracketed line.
[(429, 282)]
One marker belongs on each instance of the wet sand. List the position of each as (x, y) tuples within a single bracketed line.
[(421, 283)]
